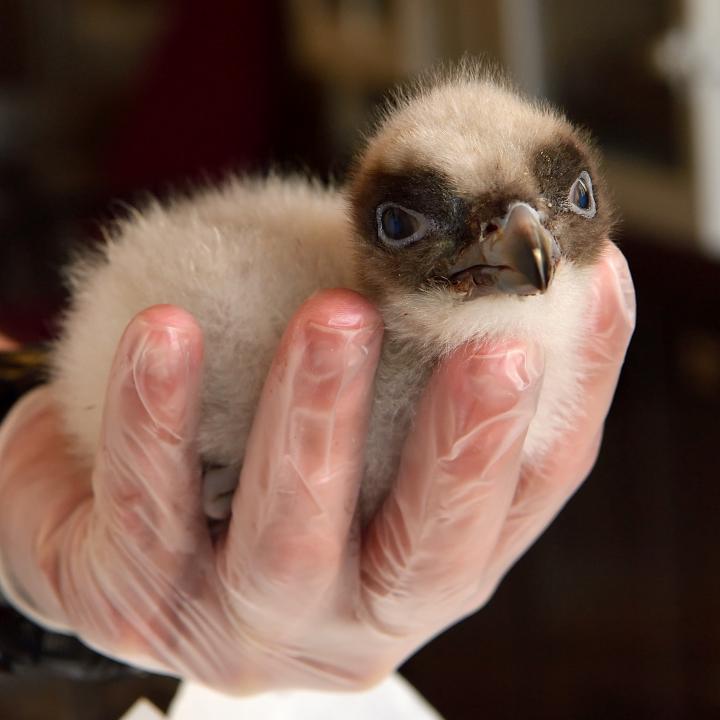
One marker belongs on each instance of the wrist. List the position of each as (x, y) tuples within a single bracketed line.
[(25, 646)]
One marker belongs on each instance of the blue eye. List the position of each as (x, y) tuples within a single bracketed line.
[(581, 199), (399, 226), (582, 196)]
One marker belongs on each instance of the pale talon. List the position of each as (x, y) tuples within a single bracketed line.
[(219, 484)]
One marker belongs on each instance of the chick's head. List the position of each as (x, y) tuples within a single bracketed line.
[(470, 188)]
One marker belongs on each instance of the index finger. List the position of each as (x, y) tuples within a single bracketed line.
[(146, 478)]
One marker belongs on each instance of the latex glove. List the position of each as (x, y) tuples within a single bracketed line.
[(291, 596)]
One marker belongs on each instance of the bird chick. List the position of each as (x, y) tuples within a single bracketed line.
[(471, 214)]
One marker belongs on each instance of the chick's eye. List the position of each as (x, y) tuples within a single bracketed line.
[(399, 226), (581, 198)]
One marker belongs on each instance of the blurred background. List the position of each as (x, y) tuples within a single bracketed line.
[(615, 613)]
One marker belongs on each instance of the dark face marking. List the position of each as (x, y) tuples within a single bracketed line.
[(425, 191), (556, 167), (454, 221), (493, 205)]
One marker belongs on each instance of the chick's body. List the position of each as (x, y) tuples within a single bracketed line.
[(452, 162), (240, 259)]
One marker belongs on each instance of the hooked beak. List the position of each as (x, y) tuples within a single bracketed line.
[(519, 258)]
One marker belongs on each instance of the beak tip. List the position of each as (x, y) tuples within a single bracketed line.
[(543, 269)]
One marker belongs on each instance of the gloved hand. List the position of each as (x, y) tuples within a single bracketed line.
[(292, 595)]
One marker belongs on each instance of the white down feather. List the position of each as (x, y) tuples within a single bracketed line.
[(241, 258)]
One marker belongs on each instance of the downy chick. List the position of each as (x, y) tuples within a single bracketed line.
[(472, 213)]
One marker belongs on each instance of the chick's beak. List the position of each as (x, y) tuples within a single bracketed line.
[(518, 258)]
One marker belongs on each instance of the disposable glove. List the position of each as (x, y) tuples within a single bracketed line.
[(293, 594)]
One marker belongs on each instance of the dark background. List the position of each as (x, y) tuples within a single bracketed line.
[(614, 613)]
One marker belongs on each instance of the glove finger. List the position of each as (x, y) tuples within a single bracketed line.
[(430, 542), (292, 513), (544, 490), (146, 478)]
